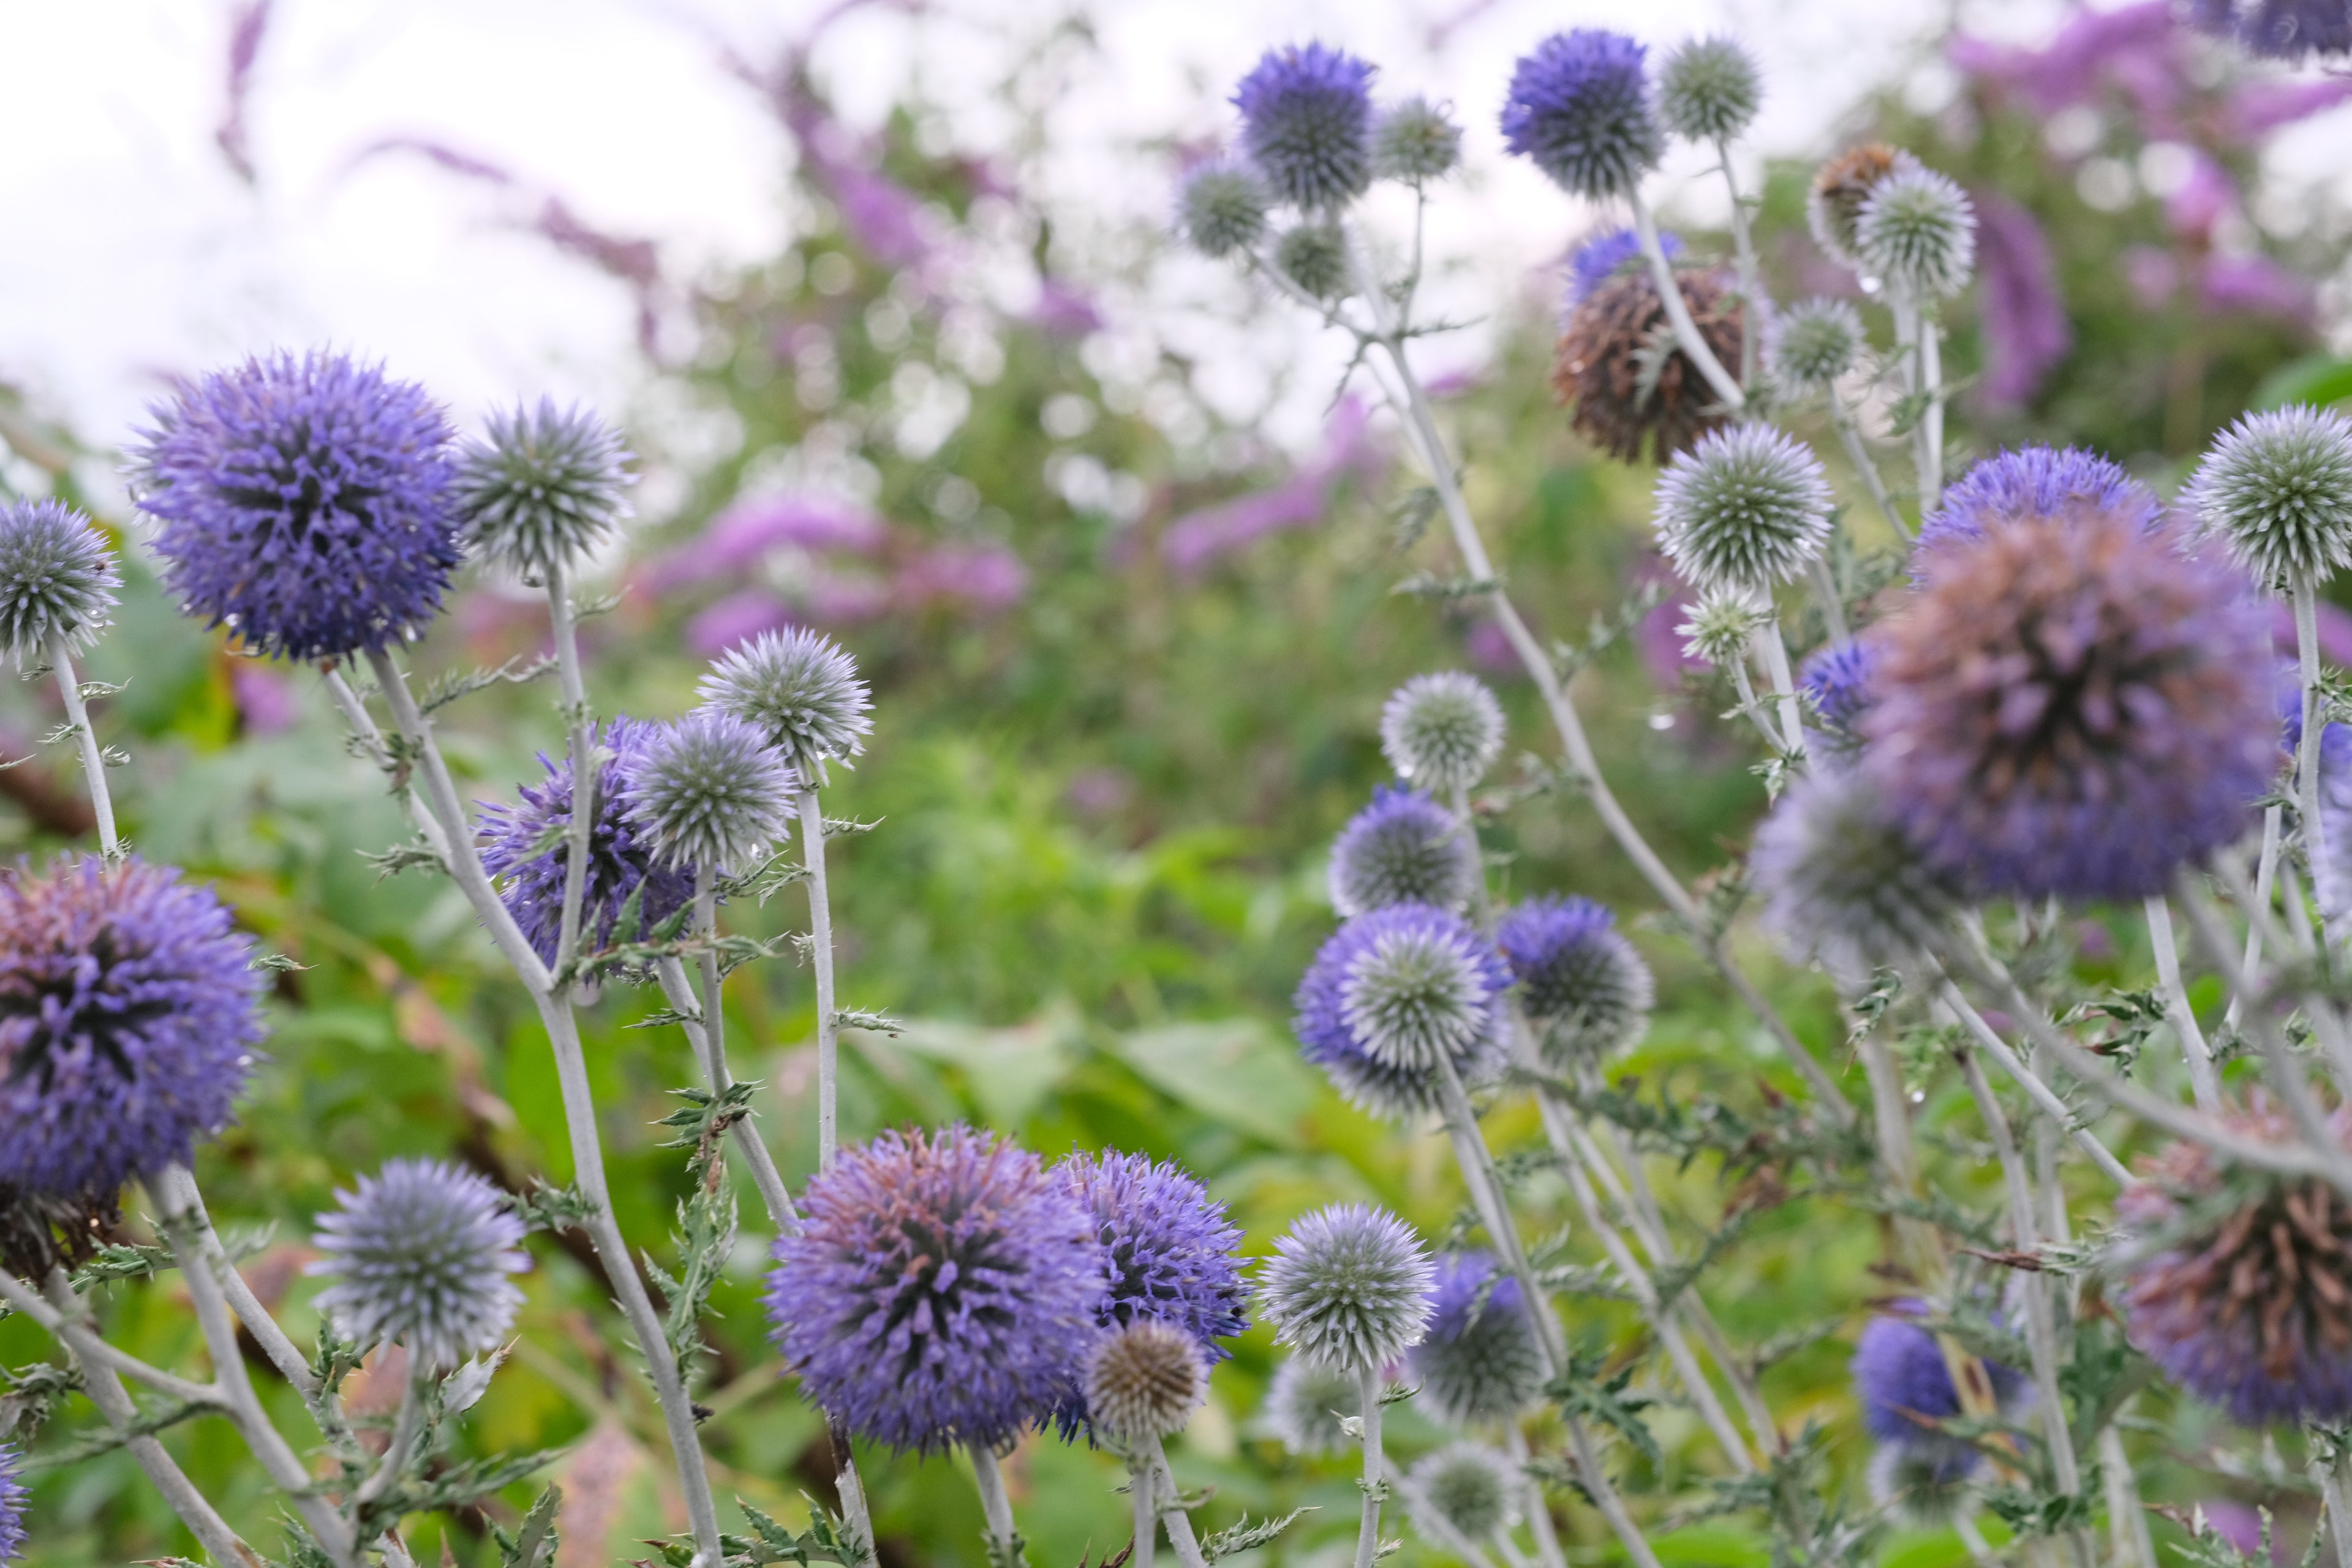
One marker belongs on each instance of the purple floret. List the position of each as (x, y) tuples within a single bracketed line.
[(1838, 680), (12, 1503), (1904, 1382), (1604, 255), (1403, 849), (305, 503), (1331, 1038), (941, 1291), (1306, 124), (2037, 482), (1478, 1360), (1580, 108), (526, 847), (129, 1019)]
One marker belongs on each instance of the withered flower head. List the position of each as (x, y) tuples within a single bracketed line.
[(1618, 364)]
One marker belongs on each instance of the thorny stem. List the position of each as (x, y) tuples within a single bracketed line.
[(2265, 878), (371, 739), (2127, 1521), (679, 993), (1368, 1525), (2281, 1066), (93, 755), (828, 1026), (1826, 590), (1849, 432), (1929, 432), (1003, 1538), (2319, 1008), (1605, 1496), (1171, 1508), (1753, 707), (2183, 1018), (1784, 686), (2044, 1097), (2306, 762), (76, 1336), (582, 828), (1669, 295), (1143, 1484), (2335, 1486), (405, 1430), (1743, 249), (1539, 1524)]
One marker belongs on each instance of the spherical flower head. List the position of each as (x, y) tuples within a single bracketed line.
[(130, 1013), (1580, 108), (707, 791), (1222, 209), (57, 578), (1479, 1361), (1305, 1405), (304, 503), (800, 690), (2277, 486), (1834, 202), (540, 488), (1578, 977), (1905, 1385), (1348, 1287), (1315, 257), (13, 1500), (2291, 30), (1417, 141), (526, 849), (422, 1256), (941, 1291), (1810, 345), (1442, 731), (1841, 878), (1917, 230), (1306, 124), (1613, 253), (1403, 849), (42, 1231), (1746, 508), (2037, 483), (1145, 1380), (2247, 1309), (1837, 680), (1464, 1488), (1632, 388), (1392, 994), (2073, 708), (1709, 88), (1721, 624)]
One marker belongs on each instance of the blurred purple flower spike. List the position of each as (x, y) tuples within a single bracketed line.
[(752, 527), (2260, 106), (2256, 286), (982, 578), (737, 618), (1199, 540), (1063, 311), (265, 699), (2137, 48), (2025, 328)]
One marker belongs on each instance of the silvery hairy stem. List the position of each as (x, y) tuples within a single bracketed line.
[(1825, 592), (1143, 1496), (2266, 880), (1849, 434), (579, 1106), (75, 1333), (1929, 432), (1171, 1509), (406, 1427), (1669, 295), (371, 739), (2183, 1018), (93, 755), (1743, 251), (2319, 1006), (1539, 1526), (2335, 1486), (828, 1023), (2044, 1097), (2127, 1519), (1783, 680), (2307, 754), (710, 1052), (1368, 1525), (2282, 1068), (581, 830), (1004, 1537)]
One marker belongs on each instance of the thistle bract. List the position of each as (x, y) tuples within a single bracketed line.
[(800, 692), (1578, 978), (1145, 1380), (707, 791), (1709, 89), (57, 578), (129, 1019), (422, 1255), (1810, 344), (1223, 209), (1306, 124), (2277, 489), (941, 1291), (1403, 849), (304, 503), (1415, 142), (1917, 230), (1746, 508), (1315, 257), (1305, 1405), (541, 488), (1392, 995), (1467, 1488), (1478, 1360), (1442, 731), (1578, 108), (1347, 1288)]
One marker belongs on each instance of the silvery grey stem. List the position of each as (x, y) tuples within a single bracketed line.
[(1003, 1538), (1826, 590), (1753, 706), (1849, 434), (355, 714), (1669, 295), (2280, 1067), (2044, 1097), (680, 995), (2183, 1018), (2306, 761), (164, 1472), (1375, 1480), (1929, 431), (93, 755), (405, 1426), (1172, 1513), (563, 628), (76, 1336), (828, 1024), (2326, 1021), (1605, 1496), (2265, 878), (579, 1109), (1784, 687), (1143, 1488), (1743, 251), (1539, 1526), (2127, 1519)]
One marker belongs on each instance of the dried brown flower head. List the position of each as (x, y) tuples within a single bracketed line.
[(1618, 365)]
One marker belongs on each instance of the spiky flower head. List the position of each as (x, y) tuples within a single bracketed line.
[(1466, 1490), (1442, 731), (709, 791), (13, 1500), (1579, 106), (1837, 680), (130, 1013), (1145, 1380), (2236, 1284), (1306, 124), (2037, 483), (1917, 230), (526, 849), (1709, 88), (1833, 204), (1392, 994), (1809, 345), (1315, 257), (1221, 209), (1721, 624), (1578, 977), (1612, 252), (305, 503), (2073, 708), (2290, 30), (57, 578), (1305, 1405), (1403, 849), (41, 1231), (1479, 1362), (422, 1256), (800, 690), (540, 486), (1618, 363), (940, 1290), (1746, 508), (1841, 880), (1348, 1287), (2277, 486), (1417, 141), (1905, 1385)]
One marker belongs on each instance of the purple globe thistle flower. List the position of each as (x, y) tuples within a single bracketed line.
[(421, 1255), (2282, 29), (941, 1291), (1348, 1287), (13, 1499), (1478, 1360), (1306, 124), (2251, 1307), (1614, 253), (1580, 107), (1905, 1385), (1391, 995), (1837, 678), (526, 849), (129, 1019), (1578, 977), (1841, 878), (707, 791), (58, 577), (2037, 483), (2072, 709), (305, 503), (1403, 849)]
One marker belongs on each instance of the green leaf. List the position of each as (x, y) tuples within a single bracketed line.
[(1235, 1072)]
